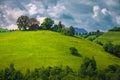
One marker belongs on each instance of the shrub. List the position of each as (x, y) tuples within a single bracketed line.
[(74, 51), (100, 43), (115, 29), (109, 47), (113, 49), (88, 68)]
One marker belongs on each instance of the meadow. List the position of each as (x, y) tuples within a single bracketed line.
[(111, 36), (33, 49)]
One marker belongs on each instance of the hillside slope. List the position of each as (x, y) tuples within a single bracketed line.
[(32, 49), (110, 36)]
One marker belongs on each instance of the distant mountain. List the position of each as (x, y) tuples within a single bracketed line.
[(80, 30)]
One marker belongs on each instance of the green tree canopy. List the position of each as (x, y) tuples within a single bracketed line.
[(71, 31), (47, 23), (22, 22)]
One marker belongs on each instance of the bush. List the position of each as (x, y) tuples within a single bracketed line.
[(100, 43), (115, 29), (113, 49), (87, 71), (88, 68), (74, 51), (109, 47)]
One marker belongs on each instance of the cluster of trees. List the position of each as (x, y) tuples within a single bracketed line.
[(115, 29), (113, 49), (26, 23), (96, 33), (2, 30), (92, 35), (49, 73), (88, 68), (87, 71)]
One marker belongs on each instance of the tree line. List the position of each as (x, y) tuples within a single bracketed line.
[(87, 71), (26, 23), (112, 48), (115, 29)]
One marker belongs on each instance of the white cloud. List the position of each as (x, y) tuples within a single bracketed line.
[(96, 11), (56, 11), (104, 11), (32, 9), (12, 26), (35, 8), (84, 13), (14, 13), (40, 19), (110, 2), (10, 15), (118, 20)]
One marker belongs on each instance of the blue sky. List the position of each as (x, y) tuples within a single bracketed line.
[(89, 14)]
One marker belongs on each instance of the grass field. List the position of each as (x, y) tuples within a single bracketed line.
[(33, 49), (110, 36)]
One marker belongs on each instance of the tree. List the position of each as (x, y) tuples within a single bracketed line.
[(115, 29), (113, 49), (33, 24), (109, 47), (88, 68), (47, 24), (71, 31), (55, 28), (58, 27), (22, 22), (74, 51)]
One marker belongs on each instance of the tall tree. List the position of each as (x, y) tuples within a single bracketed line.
[(47, 23), (22, 22), (71, 31)]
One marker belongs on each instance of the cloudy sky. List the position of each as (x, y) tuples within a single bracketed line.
[(88, 14)]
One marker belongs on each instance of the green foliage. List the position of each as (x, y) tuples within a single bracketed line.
[(2, 30), (71, 31), (112, 72), (100, 43), (22, 22), (74, 51), (48, 48), (115, 29), (88, 68), (68, 31), (33, 24), (91, 38), (57, 28), (47, 24), (87, 71), (49, 73), (109, 47), (113, 49), (92, 35), (112, 36)]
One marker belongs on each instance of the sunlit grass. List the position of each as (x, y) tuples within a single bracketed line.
[(33, 49), (113, 37)]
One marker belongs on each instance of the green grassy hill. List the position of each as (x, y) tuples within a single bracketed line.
[(33, 49), (110, 36)]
